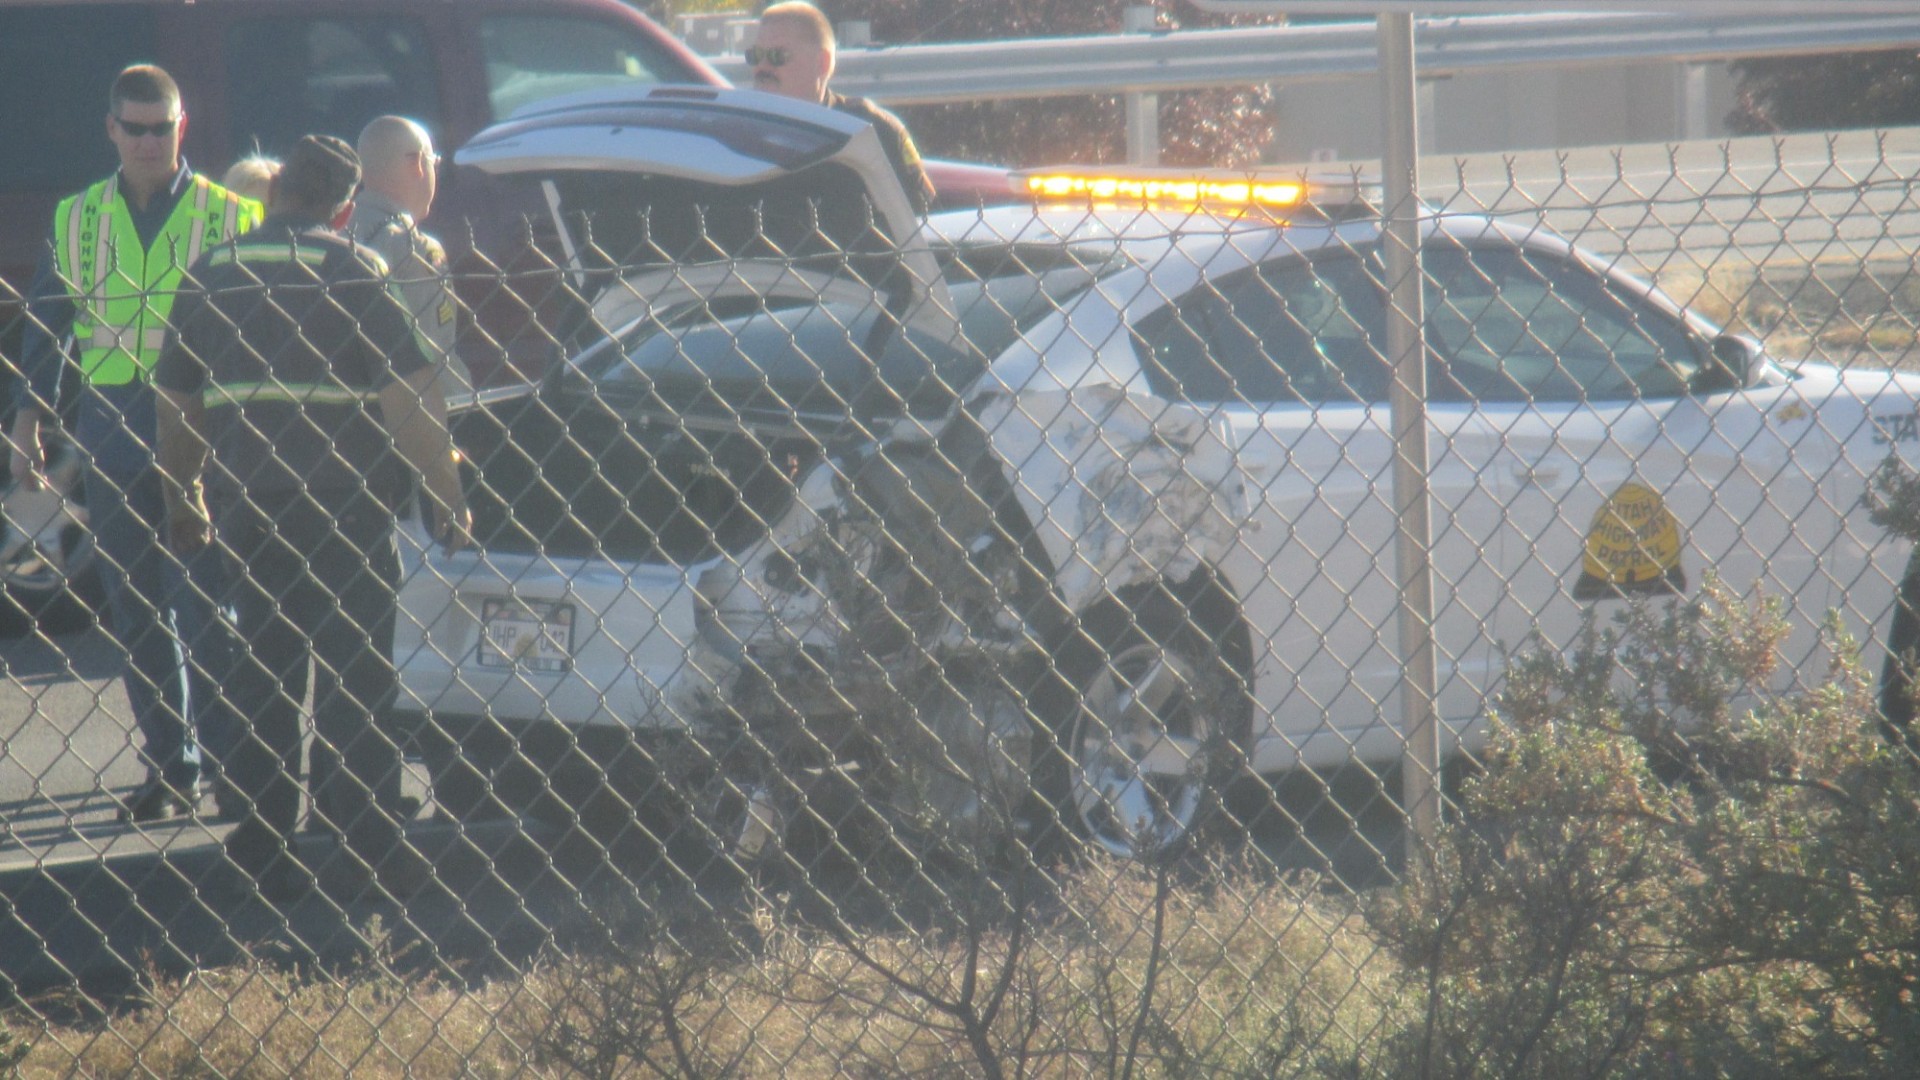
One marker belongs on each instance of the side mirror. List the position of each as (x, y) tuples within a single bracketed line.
[(1732, 359)]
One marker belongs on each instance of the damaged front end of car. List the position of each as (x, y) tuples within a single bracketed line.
[(892, 657), (883, 636)]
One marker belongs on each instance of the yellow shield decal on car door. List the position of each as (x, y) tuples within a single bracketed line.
[(1633, 546)]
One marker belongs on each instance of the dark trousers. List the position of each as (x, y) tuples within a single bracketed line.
[(155, 609), (318, 590)]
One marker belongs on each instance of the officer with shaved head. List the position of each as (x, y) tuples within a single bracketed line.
[(401, 177)]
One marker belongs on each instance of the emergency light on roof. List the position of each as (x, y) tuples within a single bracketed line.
[(1173, 188)]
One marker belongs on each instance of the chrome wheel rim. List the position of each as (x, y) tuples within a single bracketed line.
[(1140, 770)]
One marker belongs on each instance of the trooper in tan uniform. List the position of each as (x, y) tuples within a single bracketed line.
[(401, 179)]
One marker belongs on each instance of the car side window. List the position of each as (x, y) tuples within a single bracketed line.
[(1291, 331), (328, 76), (531, 57), (1515, 325)]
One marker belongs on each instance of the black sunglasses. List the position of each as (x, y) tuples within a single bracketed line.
[(771, 57), (162, 128)]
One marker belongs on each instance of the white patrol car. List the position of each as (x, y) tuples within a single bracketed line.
[(1128, 526)]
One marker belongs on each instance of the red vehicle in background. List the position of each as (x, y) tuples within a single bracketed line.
[(258, 74)]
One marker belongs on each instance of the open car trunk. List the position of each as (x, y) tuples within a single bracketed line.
[(706, 181), (748, 283), (565, 476)]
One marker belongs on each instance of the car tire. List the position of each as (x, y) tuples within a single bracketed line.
[(48, 580), (1165, 673)]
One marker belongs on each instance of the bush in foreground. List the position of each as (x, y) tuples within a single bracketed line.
[(1670, 870)]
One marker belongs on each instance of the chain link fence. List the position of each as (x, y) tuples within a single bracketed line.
[(977, 657)]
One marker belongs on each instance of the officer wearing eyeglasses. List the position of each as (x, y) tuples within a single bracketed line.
[(99, 310), (793, 55)]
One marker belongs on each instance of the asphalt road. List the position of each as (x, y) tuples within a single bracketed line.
[(88, 902)]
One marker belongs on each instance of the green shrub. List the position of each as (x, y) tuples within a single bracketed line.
[(1670, 867)]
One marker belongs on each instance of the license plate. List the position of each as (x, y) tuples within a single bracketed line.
[(530, 635)]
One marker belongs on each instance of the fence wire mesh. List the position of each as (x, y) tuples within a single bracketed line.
[(972, 651)]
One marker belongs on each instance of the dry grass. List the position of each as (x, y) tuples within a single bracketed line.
[(255, 1021), (1847, 313), (1251, 974)]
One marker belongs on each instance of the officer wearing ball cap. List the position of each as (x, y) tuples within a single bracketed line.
[(296, 405)]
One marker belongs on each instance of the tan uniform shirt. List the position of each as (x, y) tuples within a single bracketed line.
[(419, 266)]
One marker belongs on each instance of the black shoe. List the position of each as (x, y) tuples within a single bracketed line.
[(157, 800)]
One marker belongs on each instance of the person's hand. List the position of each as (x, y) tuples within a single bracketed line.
[(453, 529), (189, 526), (28, 458)]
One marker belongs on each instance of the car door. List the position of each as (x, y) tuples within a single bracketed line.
[(1627, 468), (1288, 353)]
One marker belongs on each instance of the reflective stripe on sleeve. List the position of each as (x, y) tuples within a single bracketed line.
[(248, 393), (270, 253)]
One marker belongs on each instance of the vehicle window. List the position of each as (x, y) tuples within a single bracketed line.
[(995, 312), (1513, 325), (1001, 291), (326, 76), (61, 60), (811, 358), (1286, 332), (531, 57)]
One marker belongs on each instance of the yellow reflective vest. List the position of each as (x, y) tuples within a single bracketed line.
[(123, 293)]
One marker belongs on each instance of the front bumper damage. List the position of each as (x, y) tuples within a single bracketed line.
[(907, 601)]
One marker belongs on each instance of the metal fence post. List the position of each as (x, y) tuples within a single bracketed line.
[(1406, 343), (1143, 109)]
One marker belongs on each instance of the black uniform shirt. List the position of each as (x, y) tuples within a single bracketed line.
[(897, 142), (288, 334)]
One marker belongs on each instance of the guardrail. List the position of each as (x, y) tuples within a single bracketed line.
[(1191, 59)]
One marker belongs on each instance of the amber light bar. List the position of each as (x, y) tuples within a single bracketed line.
[(1182, 190)]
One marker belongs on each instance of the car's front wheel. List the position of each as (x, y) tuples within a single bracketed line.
[(1156, 723)]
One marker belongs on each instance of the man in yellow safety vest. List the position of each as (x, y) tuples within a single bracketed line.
[(99, 312)]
